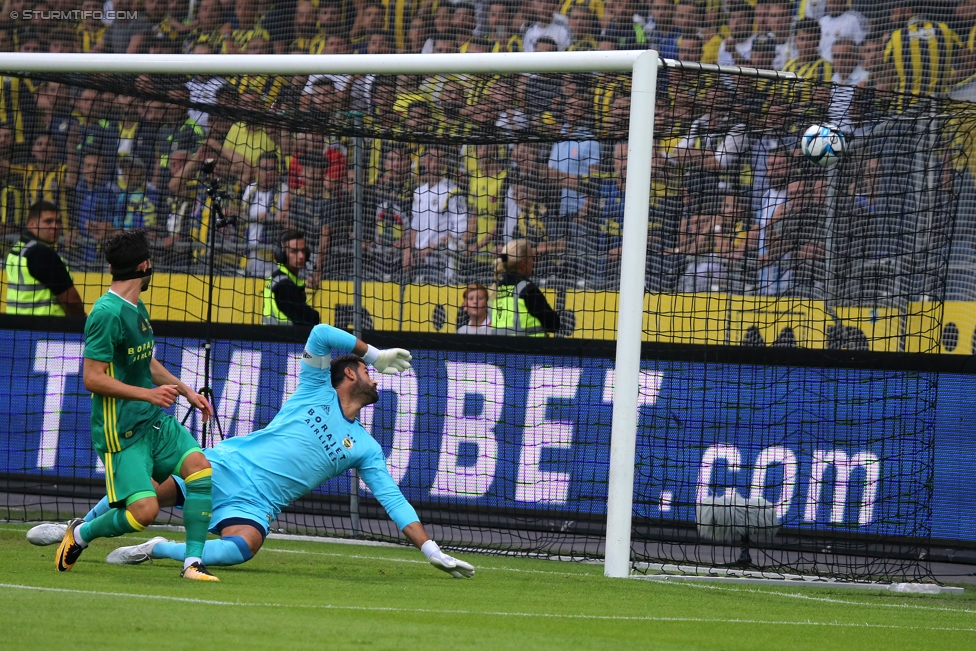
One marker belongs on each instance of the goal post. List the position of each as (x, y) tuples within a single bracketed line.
[(630, 313)]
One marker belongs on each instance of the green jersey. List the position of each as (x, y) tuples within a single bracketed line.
[(119, 333)]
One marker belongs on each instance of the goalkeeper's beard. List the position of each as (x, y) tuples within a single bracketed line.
[(145, 283), (366, 393)]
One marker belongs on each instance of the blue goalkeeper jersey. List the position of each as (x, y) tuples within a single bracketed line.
[(310, 441)]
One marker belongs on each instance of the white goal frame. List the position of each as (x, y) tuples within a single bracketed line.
[(643, 65)]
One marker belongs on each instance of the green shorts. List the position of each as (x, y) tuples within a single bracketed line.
[(157, 454)]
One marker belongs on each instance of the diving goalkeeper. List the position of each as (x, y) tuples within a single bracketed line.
[(314, 437)]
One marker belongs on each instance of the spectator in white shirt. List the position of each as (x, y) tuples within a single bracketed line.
[(476, 308), (848, 74), (840, 22), (770, 275), (265, 210), (203, 90), (549, 22), (736, 50), (334, 44), (439, 221), (715, 140)]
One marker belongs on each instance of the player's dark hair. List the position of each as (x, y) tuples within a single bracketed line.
[(126, 250), (339, 366), (39, 207)]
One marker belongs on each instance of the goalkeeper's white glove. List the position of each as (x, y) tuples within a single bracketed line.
[(389, 361), (453, 566)]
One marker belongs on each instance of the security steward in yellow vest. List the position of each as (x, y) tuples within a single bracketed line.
[(520, 308), (284, 292), (38, 280)]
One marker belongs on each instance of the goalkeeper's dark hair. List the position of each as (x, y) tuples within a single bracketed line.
[(339, 366), (126, 250)]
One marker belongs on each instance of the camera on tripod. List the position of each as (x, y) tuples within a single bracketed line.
[(217, 194)]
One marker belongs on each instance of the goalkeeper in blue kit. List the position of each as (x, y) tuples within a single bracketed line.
[(314, 437)]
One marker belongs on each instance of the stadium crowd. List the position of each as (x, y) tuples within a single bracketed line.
[(734, 206)]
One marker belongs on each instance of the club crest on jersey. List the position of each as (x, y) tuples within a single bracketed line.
[(347, 443)]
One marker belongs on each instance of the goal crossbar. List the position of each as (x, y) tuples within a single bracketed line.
[(345, 64)]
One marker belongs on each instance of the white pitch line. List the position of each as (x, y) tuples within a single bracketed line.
[(435, 611), (799, 595)]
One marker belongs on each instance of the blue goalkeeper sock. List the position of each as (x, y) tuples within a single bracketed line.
[(98, 509), (230, 550)]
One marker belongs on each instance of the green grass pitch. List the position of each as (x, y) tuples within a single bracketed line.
[(296, 595)]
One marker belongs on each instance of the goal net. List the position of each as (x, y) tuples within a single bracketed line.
[(781, 429)]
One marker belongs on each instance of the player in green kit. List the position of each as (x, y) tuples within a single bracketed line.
[(134, 438)]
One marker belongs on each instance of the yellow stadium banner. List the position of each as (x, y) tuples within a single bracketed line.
[(702, 318)]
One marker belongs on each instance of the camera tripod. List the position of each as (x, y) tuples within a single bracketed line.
[(216, 196)]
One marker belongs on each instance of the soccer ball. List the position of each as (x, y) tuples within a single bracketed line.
[(823, 143)]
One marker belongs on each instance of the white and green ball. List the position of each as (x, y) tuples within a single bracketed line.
[(823, 144)]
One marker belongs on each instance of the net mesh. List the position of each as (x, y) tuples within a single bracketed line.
[(505, 446)]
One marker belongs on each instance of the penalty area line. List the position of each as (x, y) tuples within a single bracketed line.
[(436, 611)]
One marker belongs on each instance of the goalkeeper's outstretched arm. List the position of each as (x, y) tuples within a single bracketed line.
[(324, 338), (373, 471), (454, 566)]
